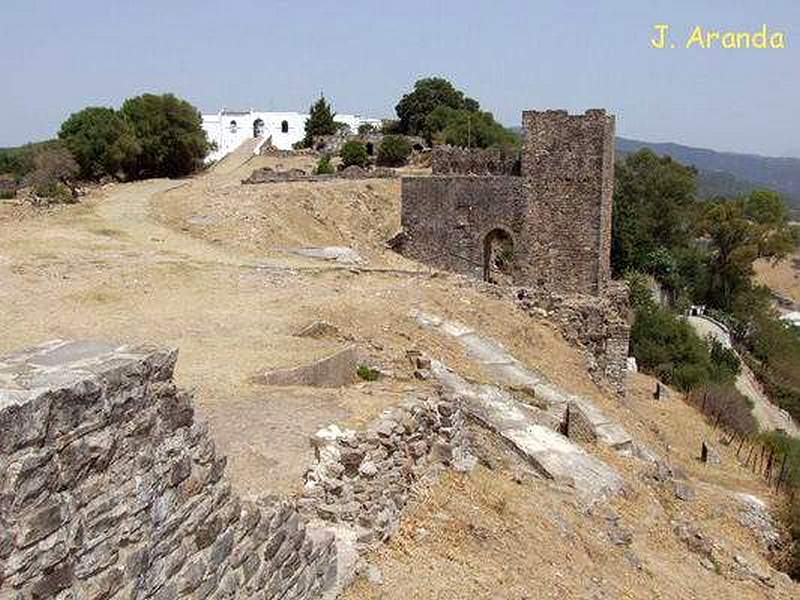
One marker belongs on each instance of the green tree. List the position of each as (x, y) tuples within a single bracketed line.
[(429, 94), (170, 135), (739, 232), (393, 151), (354, 153), (320, 121), (101, 141), (473, 129), (654, 210)]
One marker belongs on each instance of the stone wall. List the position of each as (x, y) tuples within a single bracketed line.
[(598, 325), (364, 478), (449, 232), (269, 175), (109, 488), (557, 212), (452, 160)]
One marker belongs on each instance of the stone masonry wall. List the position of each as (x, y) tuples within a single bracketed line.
[(364, 478), (569, 163), (452, 160), (450, 233), (109, 488), (557, 212), (598, 325)]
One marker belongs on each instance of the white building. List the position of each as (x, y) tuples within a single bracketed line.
[(228, 129)]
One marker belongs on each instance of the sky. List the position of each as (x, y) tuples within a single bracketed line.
[(57, 57)]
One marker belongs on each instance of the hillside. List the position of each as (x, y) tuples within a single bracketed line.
[(729, 173), (209, 265)]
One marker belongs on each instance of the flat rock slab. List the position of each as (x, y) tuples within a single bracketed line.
[(525, 428), (508, 371), (339, 254), (336, 370), (63, 364)]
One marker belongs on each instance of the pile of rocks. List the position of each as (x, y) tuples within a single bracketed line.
[(365, 478)]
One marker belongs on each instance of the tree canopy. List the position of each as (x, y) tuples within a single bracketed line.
[(170, 135), (654, 211), (440, 113), (429, 94), (101, 140)]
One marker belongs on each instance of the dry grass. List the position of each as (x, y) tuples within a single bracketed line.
[(783, 277), (129, 264)]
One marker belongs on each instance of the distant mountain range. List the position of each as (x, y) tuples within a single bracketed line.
[(729, 173)]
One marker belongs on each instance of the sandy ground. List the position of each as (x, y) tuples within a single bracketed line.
[(783, 277), (203, 264)]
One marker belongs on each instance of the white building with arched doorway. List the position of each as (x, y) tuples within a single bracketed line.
[(228, 129)]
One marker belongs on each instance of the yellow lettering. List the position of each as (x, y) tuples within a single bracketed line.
[(760, 38), (729, 39), (696, 37), (711, 37), (742, 40), (777, 40), (661, 41)]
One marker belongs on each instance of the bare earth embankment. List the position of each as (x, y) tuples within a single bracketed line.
[(206, 264)]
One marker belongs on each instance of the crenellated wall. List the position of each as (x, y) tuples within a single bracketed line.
[(109, 488), (453, 160)]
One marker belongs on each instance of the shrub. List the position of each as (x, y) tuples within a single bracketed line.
[(367, 373), (354, 153), (169, 132), (668, 346), (390, 127), (725, 364), (101, 141), (366, 129), (393, 151), (725, 404), (324, 166), (53, 167), (783, 445)]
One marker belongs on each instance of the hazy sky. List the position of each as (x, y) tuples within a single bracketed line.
[(57, 56)]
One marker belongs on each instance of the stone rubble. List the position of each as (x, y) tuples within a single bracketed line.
[(365, 478)]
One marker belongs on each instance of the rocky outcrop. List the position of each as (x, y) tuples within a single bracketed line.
[(109, 487), (530, 432)]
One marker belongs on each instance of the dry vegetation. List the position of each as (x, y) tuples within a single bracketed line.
[(202, 264), (783, 277)]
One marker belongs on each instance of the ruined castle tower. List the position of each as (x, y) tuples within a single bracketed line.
[(543, 222)]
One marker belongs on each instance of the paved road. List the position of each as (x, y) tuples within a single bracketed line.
[(768, 415)]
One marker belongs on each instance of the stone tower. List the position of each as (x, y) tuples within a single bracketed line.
[(543, 222)]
